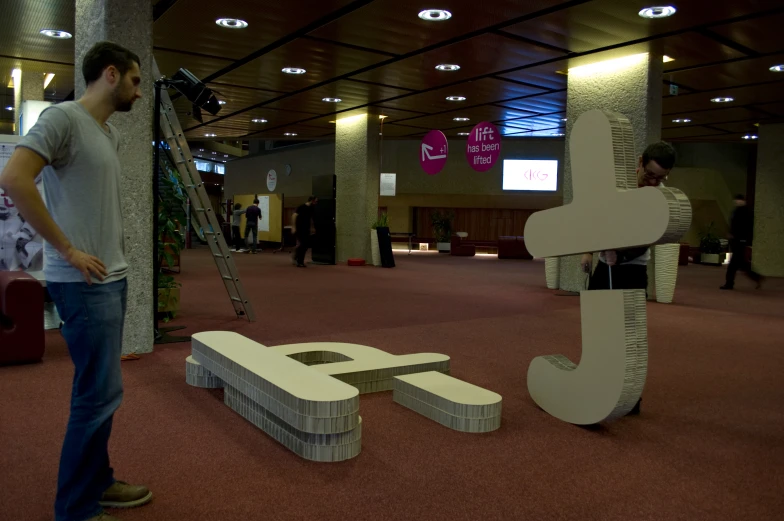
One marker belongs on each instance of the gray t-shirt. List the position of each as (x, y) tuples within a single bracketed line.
[(81, 188), (236, 219)]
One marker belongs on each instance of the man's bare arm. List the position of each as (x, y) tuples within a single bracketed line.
[(18, 181)]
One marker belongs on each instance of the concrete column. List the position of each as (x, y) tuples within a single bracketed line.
[(129, 23), (28, 86), (631, 86), (768, 245), (357, 170)]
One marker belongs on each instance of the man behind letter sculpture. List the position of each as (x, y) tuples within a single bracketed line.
[(609, 380)]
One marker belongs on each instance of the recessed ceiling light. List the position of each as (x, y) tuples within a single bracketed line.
[(225, 155), (667, 59), (381, 116), (726, 99), (9, 108), (657, 12), (289, 133), (463, 133), (461, 119), (455, 98), (201, 150), (210, 135), (751, 136), (557, 134), (232, 23), (564, 119), (54, 33), (332, 100), (259, 120), (333, 121), (777, 68), (681, 120), (448, 67), (294, 70), (221, 102), (435, 15), (214, 153)]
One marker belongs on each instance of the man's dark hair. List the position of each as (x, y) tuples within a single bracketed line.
[(661, 152), (311, 198), (740, 197), (237, 206), (255, 201), (104, 54)]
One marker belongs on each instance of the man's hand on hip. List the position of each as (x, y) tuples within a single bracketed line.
[(86, 264)]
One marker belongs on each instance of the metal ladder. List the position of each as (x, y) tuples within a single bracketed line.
[(201, 206)]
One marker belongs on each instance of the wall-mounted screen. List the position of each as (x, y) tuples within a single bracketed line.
[(531, 174)]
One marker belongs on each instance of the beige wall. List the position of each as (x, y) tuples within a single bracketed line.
[(456, 186)]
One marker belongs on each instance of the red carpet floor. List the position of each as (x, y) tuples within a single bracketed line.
[(709, 444)]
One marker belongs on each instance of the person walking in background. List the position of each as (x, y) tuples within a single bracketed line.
[(252, 217), (302, 220), (741, 234), (236, 221), (85, 268)]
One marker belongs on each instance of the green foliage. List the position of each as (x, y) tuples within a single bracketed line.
[(442, 224), (710, 242), (170, 240), (381, 222)]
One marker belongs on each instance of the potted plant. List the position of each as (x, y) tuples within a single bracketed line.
[(442, 228), (711, 251), (170, 243), (382, 223)]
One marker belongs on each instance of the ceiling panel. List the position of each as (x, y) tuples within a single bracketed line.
[(760, 34), (351, 93), (776, 107), (486, 90), (601, 23), (742, 96), (711, 117), (21, 24), (394, 26), (190, 24), (740, 128), (543, 75), (475, 115), (755, 70), (478, 56), (322, 61), (546, 103), (676, 133), (170, 62)]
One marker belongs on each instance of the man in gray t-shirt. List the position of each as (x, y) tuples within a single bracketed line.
[(75, 148)]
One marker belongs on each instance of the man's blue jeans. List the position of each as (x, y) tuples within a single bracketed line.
[(93, 318)]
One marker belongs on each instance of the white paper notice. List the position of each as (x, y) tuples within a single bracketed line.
[(264, 207), (388, 185)]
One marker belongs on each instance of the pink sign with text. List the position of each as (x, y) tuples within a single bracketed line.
[(484, 146), (433, 152)]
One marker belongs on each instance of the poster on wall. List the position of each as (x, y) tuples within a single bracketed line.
[(483, 147), (388, 185), (264, 206), (272, 180), (21, 248)]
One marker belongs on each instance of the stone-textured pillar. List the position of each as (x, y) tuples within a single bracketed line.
[(357, 170), (768, 246), (28, 86), (129, 23), (632, 87)]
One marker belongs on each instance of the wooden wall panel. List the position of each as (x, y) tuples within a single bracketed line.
[(482, 224)]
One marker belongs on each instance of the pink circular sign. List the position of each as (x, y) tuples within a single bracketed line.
[(433, 152), (484, 147)]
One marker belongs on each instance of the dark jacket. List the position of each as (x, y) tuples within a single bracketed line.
[(742, 224)]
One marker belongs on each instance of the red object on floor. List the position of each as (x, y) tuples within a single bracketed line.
[(21, 318), (458, 249), (356, 262), (511, 247)]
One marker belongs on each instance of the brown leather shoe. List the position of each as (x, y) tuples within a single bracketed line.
[(123, 495), (103, 516)]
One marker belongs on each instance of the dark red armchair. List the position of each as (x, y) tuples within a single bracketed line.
[(458, 249), (512, 247), (21, 318)]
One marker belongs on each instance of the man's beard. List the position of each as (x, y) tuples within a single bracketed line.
[(120, 104)]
